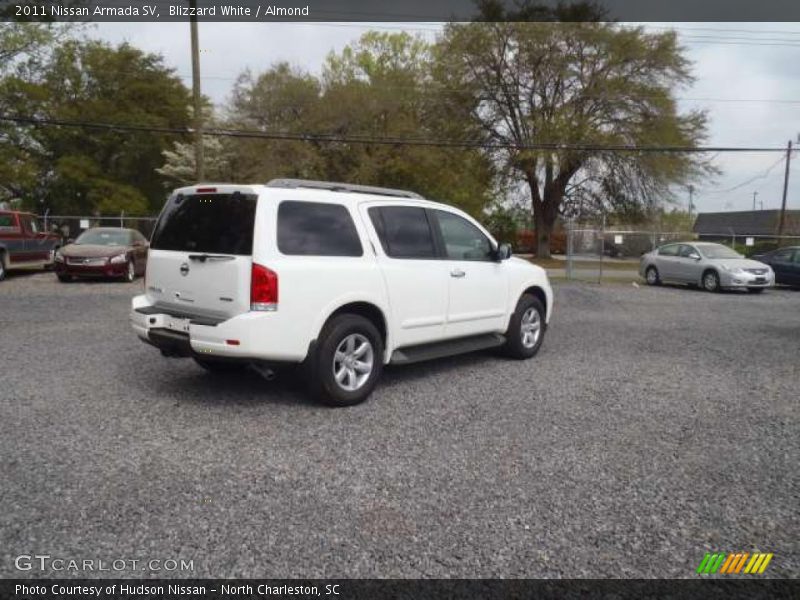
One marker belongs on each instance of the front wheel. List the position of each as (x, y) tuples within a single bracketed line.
[(711, 281), (347, 363), (526, 330), (651, 276)]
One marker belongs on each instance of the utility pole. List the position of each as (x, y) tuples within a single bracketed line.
[(198, 108), (691, 203), (785, 189), (754, 201)]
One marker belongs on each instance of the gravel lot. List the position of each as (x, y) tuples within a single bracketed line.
[(655, 425)]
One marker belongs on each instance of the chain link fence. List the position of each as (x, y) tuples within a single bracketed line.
[(71, 226), (599, 254)]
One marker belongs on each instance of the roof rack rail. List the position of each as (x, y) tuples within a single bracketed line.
[(341, 187)]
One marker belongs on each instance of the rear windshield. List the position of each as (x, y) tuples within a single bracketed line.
[(213, 223)]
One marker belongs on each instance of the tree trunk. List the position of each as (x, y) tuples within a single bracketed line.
[(544, 228)]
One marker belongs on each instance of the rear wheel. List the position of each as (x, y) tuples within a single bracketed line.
[(347, 363), (651, 276), (526, 330), (711, 281)]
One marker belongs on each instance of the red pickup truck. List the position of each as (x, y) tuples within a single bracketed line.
[(23, 245)]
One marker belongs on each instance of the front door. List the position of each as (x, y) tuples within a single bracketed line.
[(478, 290)]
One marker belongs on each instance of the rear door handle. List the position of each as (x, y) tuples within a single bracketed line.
[(458, 273)]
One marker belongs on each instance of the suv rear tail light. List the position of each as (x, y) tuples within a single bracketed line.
[(263, 288)]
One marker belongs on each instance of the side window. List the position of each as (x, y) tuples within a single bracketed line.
[(404, 231), (671, 250), (462, 240), (7, 223), (797, 256), (783, 256), (687, 251), (317, 229)]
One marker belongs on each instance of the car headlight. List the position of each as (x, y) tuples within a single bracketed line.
[(734, 270), (119, 258)]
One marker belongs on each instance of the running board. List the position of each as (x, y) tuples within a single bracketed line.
[(412, 354)]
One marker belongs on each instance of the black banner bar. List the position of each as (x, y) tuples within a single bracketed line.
[(407, 10), (380, 589)]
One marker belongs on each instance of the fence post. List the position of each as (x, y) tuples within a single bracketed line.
[(569, 248), (602, 248)]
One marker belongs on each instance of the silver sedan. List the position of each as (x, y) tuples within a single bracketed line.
[(712, 266)]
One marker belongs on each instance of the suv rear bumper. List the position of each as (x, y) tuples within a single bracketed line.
[(250, 335)]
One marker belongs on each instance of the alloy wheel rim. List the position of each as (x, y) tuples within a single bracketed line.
[(131, 272), (711, 281), (530, 327), (651, 276), (353, 362)]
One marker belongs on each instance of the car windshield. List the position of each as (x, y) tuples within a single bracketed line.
[(104, 238), (719, 251)]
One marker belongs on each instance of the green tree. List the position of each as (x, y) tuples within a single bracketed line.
[(383, 87), (93, 169), (589, 83)]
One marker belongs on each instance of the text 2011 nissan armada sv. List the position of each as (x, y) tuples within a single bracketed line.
[(341, 278)]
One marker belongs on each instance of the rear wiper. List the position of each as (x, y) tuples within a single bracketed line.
[(205, 257)]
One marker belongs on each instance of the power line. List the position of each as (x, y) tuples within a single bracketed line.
[(763, 175), (388, 141)]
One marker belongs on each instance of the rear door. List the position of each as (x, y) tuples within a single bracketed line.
[(13, 237), (415, 277), (666, 261), (201, 252), (478, 289)]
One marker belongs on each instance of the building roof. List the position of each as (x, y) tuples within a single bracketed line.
[(747, 222)]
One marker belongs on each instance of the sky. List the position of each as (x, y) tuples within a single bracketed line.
[(747, 77)]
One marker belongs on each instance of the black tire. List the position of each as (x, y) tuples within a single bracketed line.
[(755, 290), (321, 365), (64, 278), (518, 345), (220, 366), (2, 266), (651, 276), (711, 281)]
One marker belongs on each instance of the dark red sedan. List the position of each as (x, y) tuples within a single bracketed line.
[(111, 252)]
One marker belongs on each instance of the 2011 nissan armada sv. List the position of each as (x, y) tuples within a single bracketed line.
[(340, 278)]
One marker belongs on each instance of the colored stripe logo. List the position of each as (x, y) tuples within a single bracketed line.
[(734, 563)]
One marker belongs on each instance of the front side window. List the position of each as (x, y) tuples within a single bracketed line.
[(688, 252), (462, 240), (404, 231), (317, 229), (783, 256), (211, 223)]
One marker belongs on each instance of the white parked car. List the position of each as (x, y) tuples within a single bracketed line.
[(341, 278)]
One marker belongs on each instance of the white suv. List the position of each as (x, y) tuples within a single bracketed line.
[(341, 278)]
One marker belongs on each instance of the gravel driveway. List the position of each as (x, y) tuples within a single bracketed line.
[(655, 425)]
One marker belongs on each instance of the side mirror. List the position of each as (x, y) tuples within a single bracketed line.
[(503, 252), (694, 256)]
